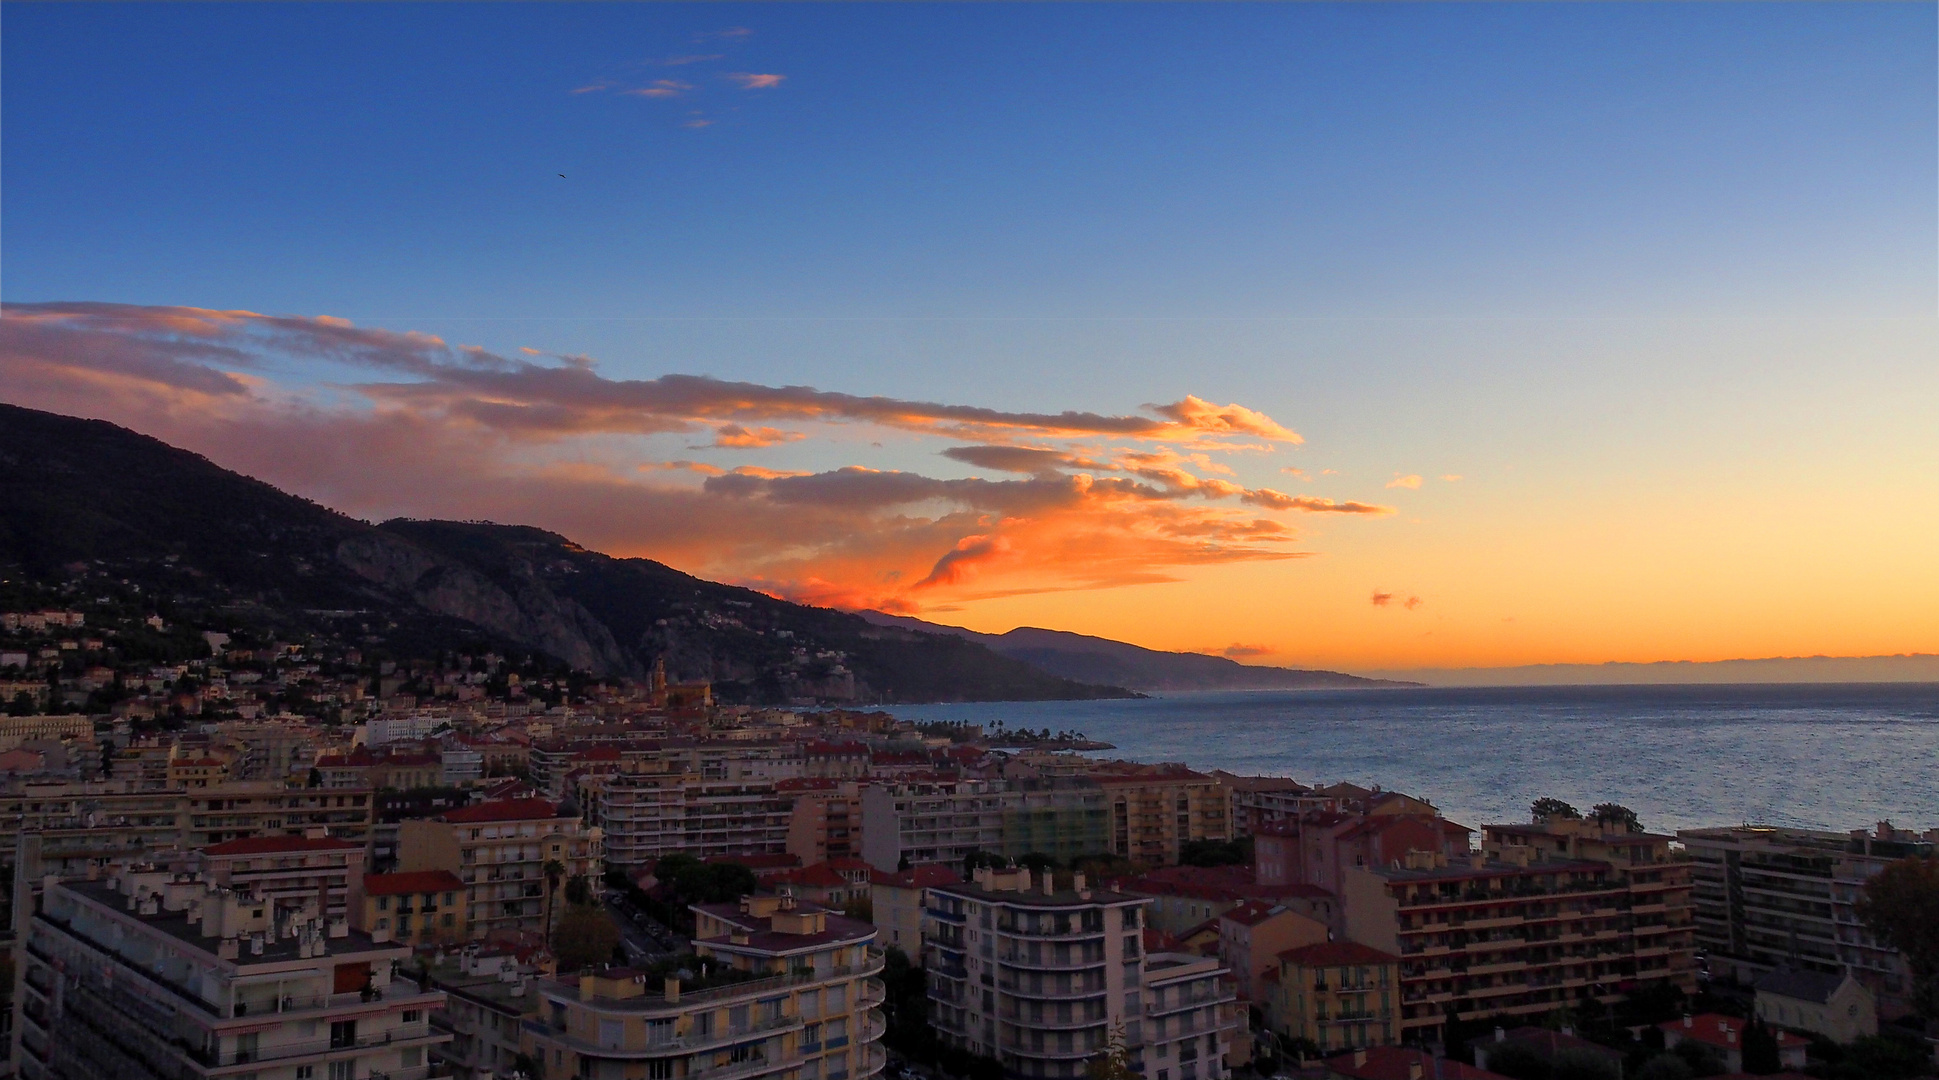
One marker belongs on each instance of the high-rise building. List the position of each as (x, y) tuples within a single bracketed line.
[(1046, 979), (153, 975), (1767, 897)]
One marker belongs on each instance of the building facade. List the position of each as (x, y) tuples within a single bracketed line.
[(501, 850), (785, 991), (1767, 897), (1041, 978), (1339, 995), (152, 975)]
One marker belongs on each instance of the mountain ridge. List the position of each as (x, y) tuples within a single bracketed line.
[(83, 500), (1066, 653)]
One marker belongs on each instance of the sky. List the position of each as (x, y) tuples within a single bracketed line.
[(1358, 336)]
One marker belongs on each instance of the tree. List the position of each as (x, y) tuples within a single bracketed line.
[(1900, 905), (1518, 1061), (553, 870), (585, 936), (1664, 1067), (1115, 1062), (1615, 814), (1580, 1064), (1701, 1059), (860, 908), (579, 889), (1760, 1050), (1544, 810)]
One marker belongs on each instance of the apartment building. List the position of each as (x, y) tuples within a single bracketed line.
[(825, 821), (1340, 995), (415, 907), (1659, 921), (152, 975), (1040, 976), (897, 900), (289, 868), (488, 999), (1767, 896), (1253, 934), (1481, 938), (931, 821), (1154, 810), (647, 814), (499, 850), (1063, 817), (1256, 801), (778, 989)]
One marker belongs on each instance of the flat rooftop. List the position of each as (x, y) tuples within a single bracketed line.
[(176, 925)]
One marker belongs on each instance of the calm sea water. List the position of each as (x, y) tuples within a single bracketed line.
[(1834, 757)]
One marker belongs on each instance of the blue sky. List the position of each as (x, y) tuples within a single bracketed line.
[(1627, 246)]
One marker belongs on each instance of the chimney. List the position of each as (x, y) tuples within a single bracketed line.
[(1413, 1070), (1689, 1021), (1500, 1035), (1359, 1058), (671, 990)]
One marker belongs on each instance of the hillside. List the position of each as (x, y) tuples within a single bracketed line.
[(84, 501), (1096, 659)]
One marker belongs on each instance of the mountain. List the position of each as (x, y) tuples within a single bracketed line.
[(1096, 659), (85, 504)]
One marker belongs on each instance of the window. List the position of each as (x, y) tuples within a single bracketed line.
[(342, 1033), (343, 1070), (306, 1072), (659, 1070), (412, 1016), (383, 903)]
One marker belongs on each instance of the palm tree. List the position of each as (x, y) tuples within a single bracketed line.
[(554, 870)]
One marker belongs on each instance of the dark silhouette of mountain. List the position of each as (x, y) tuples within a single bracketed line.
[(1096, 659), (82, 499)]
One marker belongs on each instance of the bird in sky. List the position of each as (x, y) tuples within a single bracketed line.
[(562, 176)]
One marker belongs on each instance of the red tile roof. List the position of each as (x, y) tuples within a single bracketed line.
[(1336, 954), (279, 845), (776, 861), (1723, 1031), (503, 810), (411, 881), (820, 876)]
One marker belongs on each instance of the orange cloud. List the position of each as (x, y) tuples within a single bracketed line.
[(750, 81), (456, 431), (1452, 478), (1404, 482), (1236, 651), (736, 437)]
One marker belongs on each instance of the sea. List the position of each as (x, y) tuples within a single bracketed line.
[(1820, 756)]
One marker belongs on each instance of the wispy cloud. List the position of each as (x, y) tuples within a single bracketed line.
[(593, 87), (1236, 651), (732, 33), (1452, 478), (1404, 481), (661, 88), (683, 61), (751, 81), (1385, 599), (1086, 500)]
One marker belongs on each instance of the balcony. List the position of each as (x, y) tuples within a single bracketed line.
[(318, 1048)]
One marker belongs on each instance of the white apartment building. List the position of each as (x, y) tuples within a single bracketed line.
[(1041, 978), (153, 975), (644, 815), (778, 990), (932, 821)]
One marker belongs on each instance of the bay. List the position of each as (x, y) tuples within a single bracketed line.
[(1816, 756)]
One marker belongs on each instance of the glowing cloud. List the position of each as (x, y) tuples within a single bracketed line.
[(1084, 500), (1404, 482), (750, 81)]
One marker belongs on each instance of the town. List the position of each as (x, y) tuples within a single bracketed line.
[(233, 855)]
